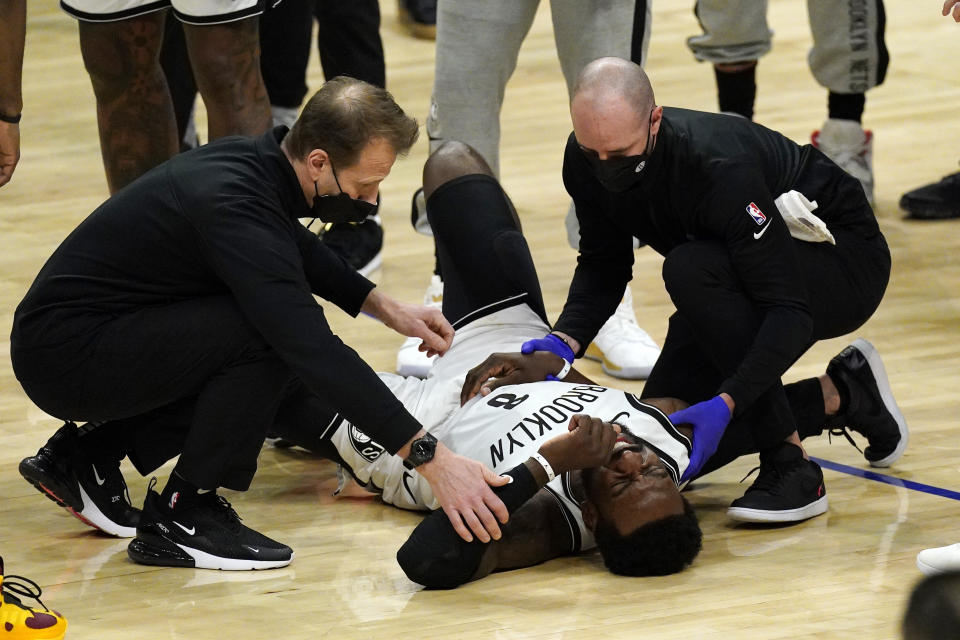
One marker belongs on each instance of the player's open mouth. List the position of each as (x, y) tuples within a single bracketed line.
[(624, 444)]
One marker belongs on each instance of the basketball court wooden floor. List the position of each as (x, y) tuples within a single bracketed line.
[(844, 574)]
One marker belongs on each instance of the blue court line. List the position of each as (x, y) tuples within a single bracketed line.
[(879, 477)]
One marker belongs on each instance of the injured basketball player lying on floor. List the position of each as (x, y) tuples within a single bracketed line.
[(579, 482)]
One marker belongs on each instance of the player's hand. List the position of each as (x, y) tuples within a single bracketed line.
[(462, 487), (709, 420), (9, 150), (500, 369), (954, 7), (588, 443)]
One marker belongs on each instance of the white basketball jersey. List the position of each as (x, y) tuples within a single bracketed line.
[(502, 430)]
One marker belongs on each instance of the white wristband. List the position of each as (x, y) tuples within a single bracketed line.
[(546, 465), (563, 372)]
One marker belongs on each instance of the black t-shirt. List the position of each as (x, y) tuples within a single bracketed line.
[(707, 178), (219, 220)]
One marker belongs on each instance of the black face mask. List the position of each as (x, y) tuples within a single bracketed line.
[(340, 207), (621, 173)]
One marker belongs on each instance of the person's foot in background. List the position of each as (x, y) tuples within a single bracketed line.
[(418, 17)]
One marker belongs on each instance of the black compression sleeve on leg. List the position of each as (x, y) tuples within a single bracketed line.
[(438, 558)]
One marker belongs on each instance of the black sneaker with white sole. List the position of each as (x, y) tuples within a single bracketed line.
[(934, 201), (206, 535), (92, 490), (788, 488), (867, 403), (360, 244)]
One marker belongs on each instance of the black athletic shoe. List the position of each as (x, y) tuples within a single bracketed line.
[(208, 535), (419, 17), (935, 201), (787, 489), (92, 490), (869, 405), (359, 244)]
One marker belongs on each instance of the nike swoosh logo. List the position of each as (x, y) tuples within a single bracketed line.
[(189, 532), (96, 476), (408, 476), (252, 549), (757, 235)]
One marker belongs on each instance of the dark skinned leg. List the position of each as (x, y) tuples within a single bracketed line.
[(226, 64), (134, 111)]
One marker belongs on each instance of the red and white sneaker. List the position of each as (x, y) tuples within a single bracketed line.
[(851, 147)]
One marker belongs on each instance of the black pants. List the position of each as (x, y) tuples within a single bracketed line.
[(715, 324), (348, 39), (191, 378)]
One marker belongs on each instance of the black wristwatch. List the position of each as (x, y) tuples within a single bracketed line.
[(421, 451)]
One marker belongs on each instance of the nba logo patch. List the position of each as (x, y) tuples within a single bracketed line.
[(756, 214)]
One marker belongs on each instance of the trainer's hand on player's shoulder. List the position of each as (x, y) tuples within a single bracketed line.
[(462, 487), (588, 443), (500, 369)]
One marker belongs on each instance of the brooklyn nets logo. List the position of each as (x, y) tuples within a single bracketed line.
[(363, 445)]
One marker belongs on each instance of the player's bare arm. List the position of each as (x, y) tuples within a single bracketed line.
[(500, 369), (462, 487), (435, 557)]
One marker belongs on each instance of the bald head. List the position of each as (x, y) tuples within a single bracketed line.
[(607, 82), (613, 108)]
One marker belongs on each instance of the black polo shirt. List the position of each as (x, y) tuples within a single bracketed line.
[(218, 220), (708, 176)]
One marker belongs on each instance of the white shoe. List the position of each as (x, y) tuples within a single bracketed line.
[(851, 147), (410, 360), (939, 559), (622, 347)]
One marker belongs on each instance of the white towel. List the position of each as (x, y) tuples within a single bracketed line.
[(797, 212)]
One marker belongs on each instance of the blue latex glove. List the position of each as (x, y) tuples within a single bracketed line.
[(553, 344), (709, 420), (550, 343)]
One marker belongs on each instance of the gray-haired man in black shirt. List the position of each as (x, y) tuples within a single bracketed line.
[(174, 318)]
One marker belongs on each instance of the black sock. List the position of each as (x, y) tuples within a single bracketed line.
[(846, 106), (180, 493), (102, 443), (737, 90)]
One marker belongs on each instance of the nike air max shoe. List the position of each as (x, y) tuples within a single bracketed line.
[(92, 490), (205, 535)]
